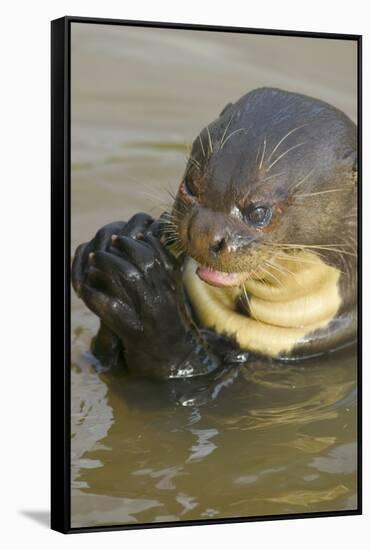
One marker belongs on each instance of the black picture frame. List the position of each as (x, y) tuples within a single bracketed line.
[(61, 278)]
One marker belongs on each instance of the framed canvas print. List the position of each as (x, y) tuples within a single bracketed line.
[(205, 298)]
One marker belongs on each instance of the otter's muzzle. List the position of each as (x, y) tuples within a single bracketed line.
[(213, 236)]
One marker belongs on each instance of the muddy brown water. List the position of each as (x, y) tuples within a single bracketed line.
[(279, 440)]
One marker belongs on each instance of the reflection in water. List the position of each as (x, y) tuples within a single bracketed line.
[(203, 446), (306, 498), (260, 448), (281, 438), (91, 419)]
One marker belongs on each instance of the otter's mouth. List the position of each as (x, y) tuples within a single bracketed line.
[(221, 278)]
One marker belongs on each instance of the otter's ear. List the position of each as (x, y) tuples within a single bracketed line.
[(226, 108)]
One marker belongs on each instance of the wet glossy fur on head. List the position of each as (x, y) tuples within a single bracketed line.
[(289, 155)]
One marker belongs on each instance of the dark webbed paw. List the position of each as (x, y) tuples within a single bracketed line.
[(136, 226), (127, 278), (106, 345), (134, 285), (81, 259)]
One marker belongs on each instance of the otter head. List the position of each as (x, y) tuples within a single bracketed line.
[(273, 175)]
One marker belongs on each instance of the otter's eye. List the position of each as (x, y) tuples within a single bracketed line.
[(189, 187), (260, 216)]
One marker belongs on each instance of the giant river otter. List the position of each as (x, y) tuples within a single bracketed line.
[(257, 257)]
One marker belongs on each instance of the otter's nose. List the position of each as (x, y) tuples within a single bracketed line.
[(217, 246), (228, 242), (211, 235)]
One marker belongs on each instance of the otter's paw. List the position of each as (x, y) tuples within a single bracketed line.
[(131, 286), (134, 228)]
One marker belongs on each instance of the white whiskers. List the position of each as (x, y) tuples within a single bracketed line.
[(263, 154), (284, 154), (283, 139), (202, 145), (232, 134)]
